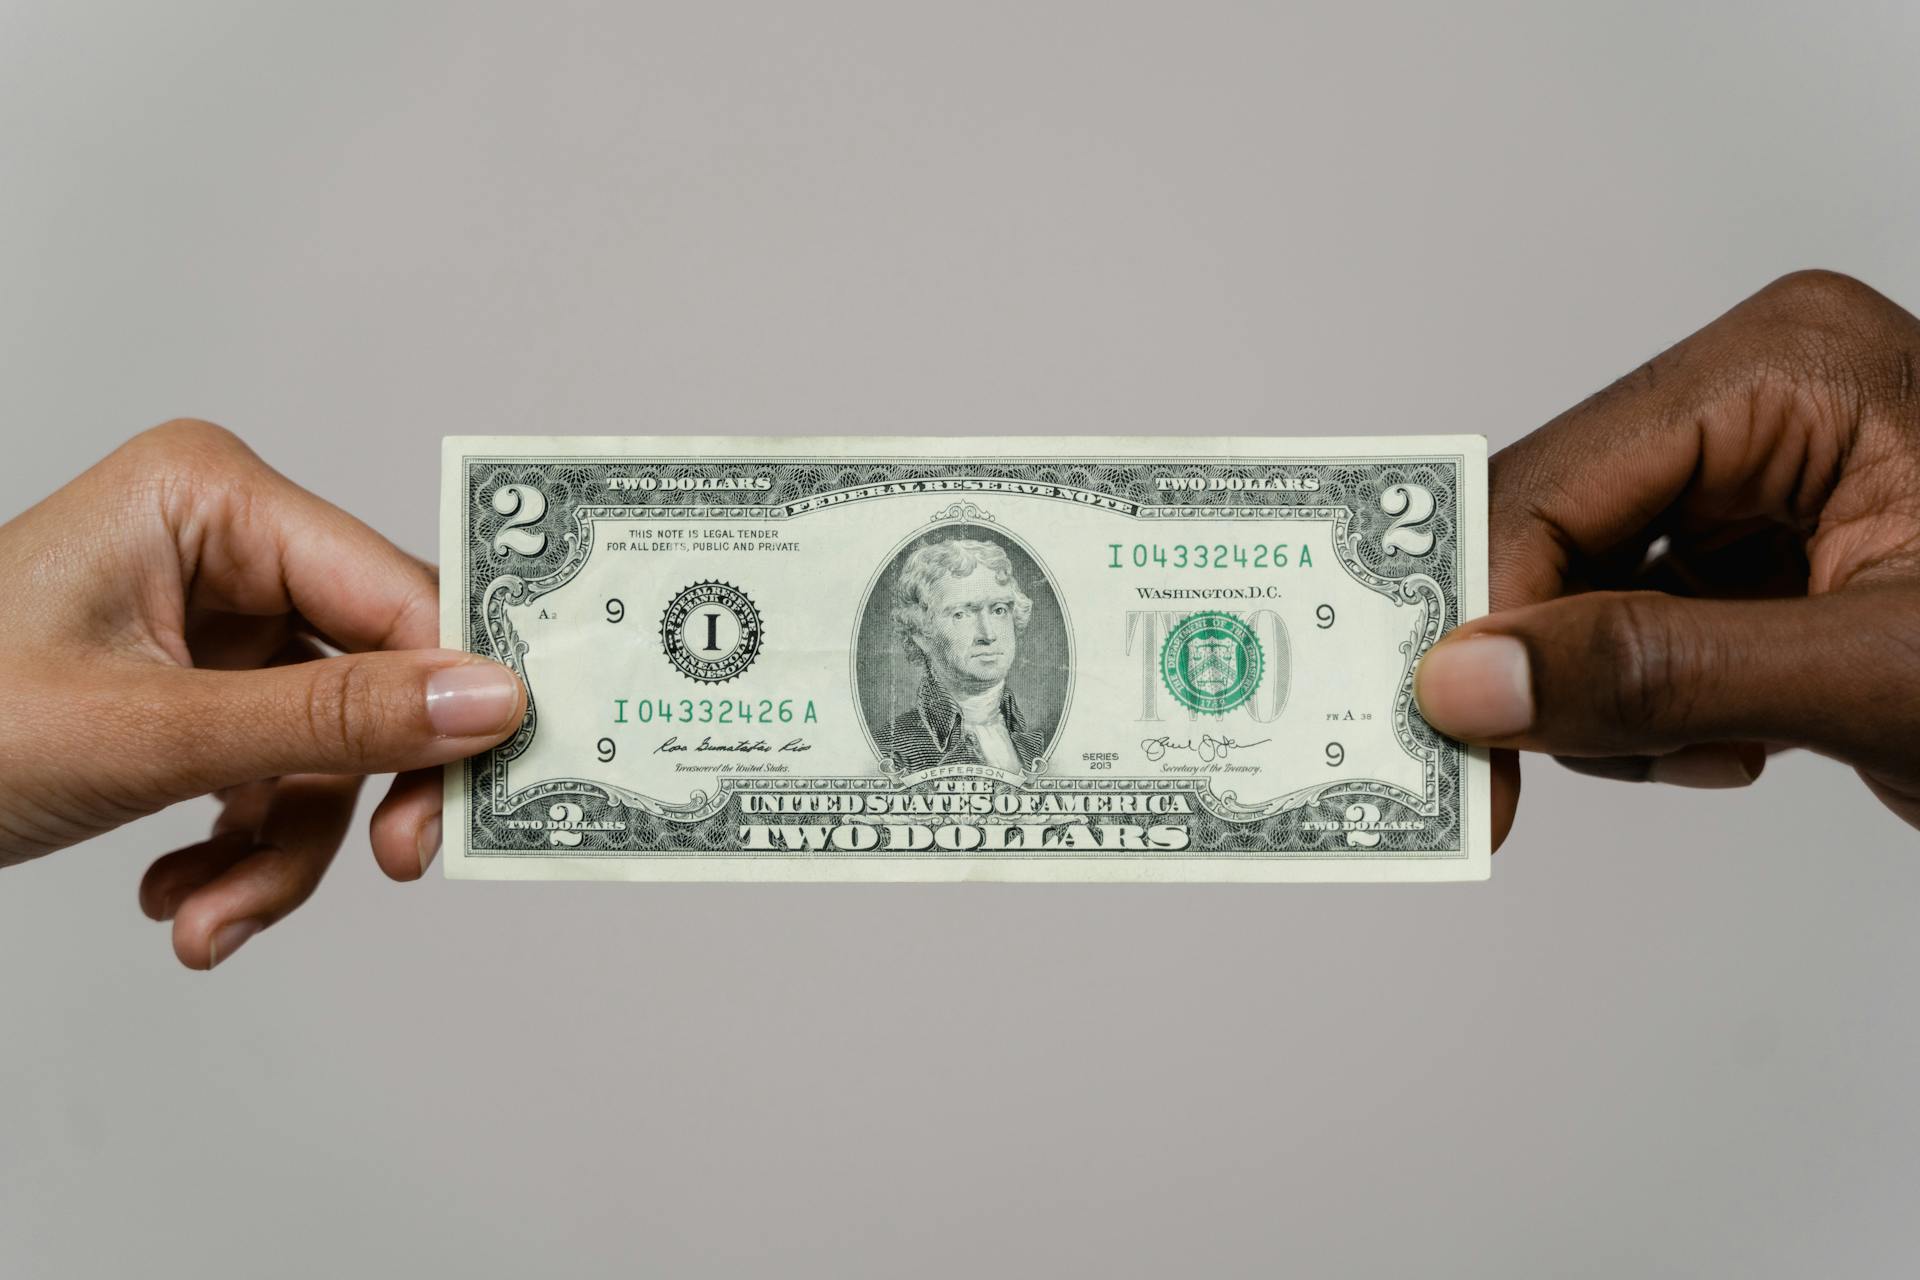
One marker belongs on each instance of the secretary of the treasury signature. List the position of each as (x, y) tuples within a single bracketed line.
[(1207, 747)]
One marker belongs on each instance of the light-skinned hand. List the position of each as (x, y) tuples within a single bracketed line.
[(167, 644)]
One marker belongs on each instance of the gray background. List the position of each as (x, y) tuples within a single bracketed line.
[(1675, 1035)]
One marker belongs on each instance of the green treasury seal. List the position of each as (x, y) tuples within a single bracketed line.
[(1211, 662)]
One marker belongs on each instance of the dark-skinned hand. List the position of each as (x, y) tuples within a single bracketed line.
[(1715, 557)]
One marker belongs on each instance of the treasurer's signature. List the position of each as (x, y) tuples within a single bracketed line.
[(741, 746), (1207, 747)]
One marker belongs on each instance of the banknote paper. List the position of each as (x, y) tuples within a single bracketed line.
[(1072, 658)]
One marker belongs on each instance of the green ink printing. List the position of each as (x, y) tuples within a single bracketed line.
[(1212, 662)]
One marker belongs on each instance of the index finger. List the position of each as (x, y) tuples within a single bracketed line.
[(254, 542), (1754, 416)]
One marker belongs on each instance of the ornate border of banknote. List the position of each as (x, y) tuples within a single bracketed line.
[(1408, 523)]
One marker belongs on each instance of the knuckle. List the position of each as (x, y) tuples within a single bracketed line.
[(193, 435), (300, 878), (1828, 352), (1819, 291), (346, 710), (187, 450), (1832, 323), (1635, 644)]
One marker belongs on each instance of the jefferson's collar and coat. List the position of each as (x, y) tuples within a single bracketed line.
[(932, 734)]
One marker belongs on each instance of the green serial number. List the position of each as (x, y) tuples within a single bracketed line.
[(1209, 555), (715, 711)]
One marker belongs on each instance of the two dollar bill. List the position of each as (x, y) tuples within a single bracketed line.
[(965, 659)]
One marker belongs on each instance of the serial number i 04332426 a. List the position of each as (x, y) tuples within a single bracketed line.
[(900, 659)]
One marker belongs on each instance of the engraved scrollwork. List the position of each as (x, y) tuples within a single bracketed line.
[(507, 646), (962, 511)]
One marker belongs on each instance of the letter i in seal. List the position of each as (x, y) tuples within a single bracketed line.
[(711, 632)]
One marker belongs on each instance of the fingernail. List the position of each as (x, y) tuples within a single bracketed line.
[(229, 938), (1476, 688), (1709, 766), (472, 700), (429, 842)]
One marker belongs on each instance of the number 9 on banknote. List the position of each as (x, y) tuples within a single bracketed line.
[(1066, 658)]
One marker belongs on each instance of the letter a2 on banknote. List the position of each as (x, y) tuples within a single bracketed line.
[(965, 659)]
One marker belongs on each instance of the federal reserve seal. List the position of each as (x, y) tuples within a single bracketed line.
[(711, 632), (1211, 663)]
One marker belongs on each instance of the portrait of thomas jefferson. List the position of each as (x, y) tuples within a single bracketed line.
[(959, 616)]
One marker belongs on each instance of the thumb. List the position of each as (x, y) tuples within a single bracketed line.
[(1641, 673), (355, 714)]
